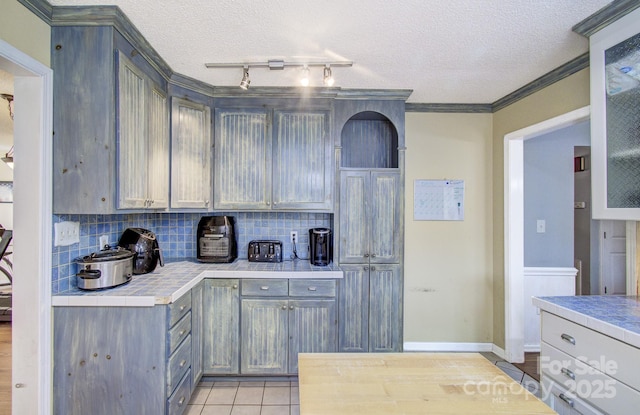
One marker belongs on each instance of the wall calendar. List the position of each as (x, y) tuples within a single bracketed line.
[(438, 200)]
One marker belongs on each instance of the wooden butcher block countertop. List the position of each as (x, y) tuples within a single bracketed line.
[(409, 383)]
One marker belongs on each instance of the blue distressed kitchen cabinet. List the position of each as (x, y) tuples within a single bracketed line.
[(142, 131), (369, 235), (370, 308), (273, 159), (191, 154), (123, 360), (258, 326), (221, 321), (110, 124)]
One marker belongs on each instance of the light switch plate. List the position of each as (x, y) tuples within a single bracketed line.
[(66, 233)]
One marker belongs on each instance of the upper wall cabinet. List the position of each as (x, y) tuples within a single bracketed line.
[(615, 119), (143, 140), (110, 127), (190, 154), (272, 159)]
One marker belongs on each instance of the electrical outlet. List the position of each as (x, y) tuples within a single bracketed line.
[(104, 240), (294, 236)]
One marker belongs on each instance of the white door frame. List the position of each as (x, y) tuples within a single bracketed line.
[(514, 225), (31, 315)]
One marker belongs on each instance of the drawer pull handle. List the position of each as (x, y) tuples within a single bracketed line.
[(183, 362), (312, 289), (568, 339), (569, 401), (181, 401), (265, 288), (568, 373)]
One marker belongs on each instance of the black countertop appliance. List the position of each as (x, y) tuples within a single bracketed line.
[(217, 239), (320, 246), (144, 244)]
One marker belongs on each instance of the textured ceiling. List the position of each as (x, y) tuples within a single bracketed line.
[(456, 51)]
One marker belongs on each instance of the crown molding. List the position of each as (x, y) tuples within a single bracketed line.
[(605, 16), (455, 108)]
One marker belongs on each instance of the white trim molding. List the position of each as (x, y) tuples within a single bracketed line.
[(447, 347), (514, 225), (631, 241), (32, 332)]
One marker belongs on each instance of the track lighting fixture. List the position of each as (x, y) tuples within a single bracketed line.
[(327, 78), (279, 64), (244, 84)]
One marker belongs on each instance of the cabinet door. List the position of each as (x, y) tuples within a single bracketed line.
[(301, 161), (132, 145), (264, 336), (158, 166), (190, 154), (312, 328), (354, 220), (221, 331), (242, 160), (353, 309), (385, 308), (615, 119), (386, 217), (197, 327)]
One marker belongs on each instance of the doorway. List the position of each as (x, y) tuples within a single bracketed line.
[(31, 306)]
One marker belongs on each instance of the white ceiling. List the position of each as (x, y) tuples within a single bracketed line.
[(455, 51)]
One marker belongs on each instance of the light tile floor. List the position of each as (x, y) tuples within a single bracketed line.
[(281, 398)]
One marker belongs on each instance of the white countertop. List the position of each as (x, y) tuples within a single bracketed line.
[(166, 284)]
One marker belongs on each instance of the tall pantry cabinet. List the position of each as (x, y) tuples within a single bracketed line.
[(369, 234)]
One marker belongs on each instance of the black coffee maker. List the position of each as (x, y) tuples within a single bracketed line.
[(320, 246)]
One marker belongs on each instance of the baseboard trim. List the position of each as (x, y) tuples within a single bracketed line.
[(447, 347), (499, 351)]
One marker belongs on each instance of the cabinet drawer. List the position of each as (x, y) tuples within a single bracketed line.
[(179, 332), (265, 287), (179, 308), (558, 399), (178, 402), (312, 288), (179, 363), (587, 383), (590, 346)]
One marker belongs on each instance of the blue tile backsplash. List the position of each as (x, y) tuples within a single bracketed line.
[(176, 233)]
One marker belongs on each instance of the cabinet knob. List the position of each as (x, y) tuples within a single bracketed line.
[(206, 202), (182, 363), (182, 307), (235, 286), (284, 307), (181, 401), (366, 255), (290, 307), (366, 268), (373, 268), (182, 332), (373, 255), (151, 202)]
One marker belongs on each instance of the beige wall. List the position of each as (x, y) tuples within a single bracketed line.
[(448, 265), (564, 96), (25, 31)]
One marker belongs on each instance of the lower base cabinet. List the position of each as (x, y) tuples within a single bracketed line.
[(370, 304), (562, 401), (123, 360), (258, 326)]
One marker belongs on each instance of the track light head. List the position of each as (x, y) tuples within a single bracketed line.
[(244, 84), (304, 80), (328, 77)]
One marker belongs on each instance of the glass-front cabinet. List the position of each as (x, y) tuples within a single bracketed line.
[(615, 119)]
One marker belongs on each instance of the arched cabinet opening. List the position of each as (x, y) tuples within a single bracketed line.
[(369, 140)]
